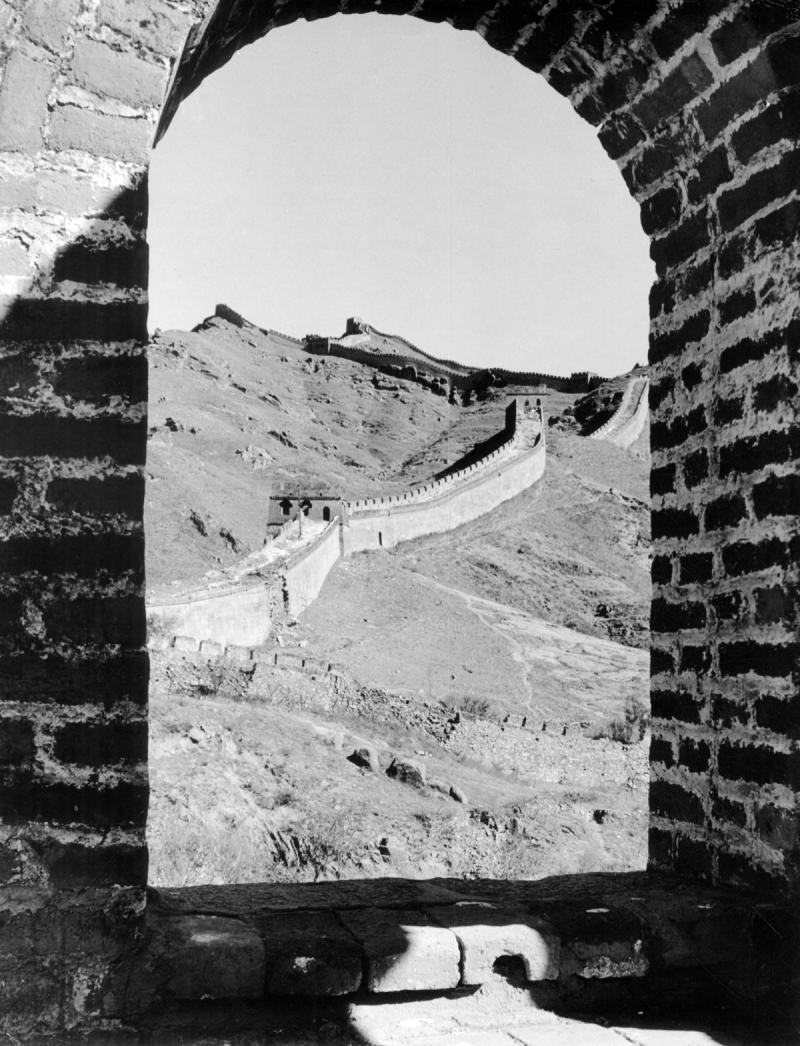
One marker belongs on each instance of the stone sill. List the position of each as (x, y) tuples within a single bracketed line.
[(583, 936)]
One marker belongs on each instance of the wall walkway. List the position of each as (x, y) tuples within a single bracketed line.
[(626, 423)]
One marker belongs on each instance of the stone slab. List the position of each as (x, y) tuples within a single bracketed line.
[(571, 1033), (600, 942), (404, 950), (309, 953), (486, 933), (213, 958)]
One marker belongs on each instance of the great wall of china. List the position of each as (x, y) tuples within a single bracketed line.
[(225, 618)]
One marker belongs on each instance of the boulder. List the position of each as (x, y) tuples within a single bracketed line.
[(366, 758), (407, 771)]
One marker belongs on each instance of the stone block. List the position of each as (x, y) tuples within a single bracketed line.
[(186, 644), (366, 758), (117, 137), (309, 953), (486, 934), (13, 258), (47, 21), (599, 943), (122, 75), (211, 957), (404, 950), (211, 649), (407, 771), (23, 103), (242, 655), (154, 25)]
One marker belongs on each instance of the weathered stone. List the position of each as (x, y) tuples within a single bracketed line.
[(213, 958), (407, 771), (23, 100), (486, 933), (211, 649), (118, 137), (47, 21), (309, 953), (366, 758), (458, 794), (104, 71), (186, 644), (240, 654), (404, 950)]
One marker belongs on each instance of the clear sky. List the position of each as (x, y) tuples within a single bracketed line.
[(406, 173)]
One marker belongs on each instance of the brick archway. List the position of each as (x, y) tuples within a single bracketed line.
[(698, 105)]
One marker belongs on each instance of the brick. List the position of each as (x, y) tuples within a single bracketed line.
[(709, 174), (692, 376), (777, 496), (101, 744), (778, 827), (674, 92), (695, 468), (620, 134), (674, 704), (661, 210), (13, 258), (664, 436), (123, 266), (779, 122), (75, 680), (548, 37), (756, 763), (693, 858), (762, 188), (72, 866), (617, 88), (161, 30), (746, 557), (113, 495), (98, 379), (748, 29), (775, 67), (659, 391), (774, 392), (123, 441), (660, 661), (738, 868), (122, 75), (504, 31), (779, 226), (674, 523), (10, 614), (662, 480), (764, 659), (775, 604), (697, 278), (35, 319), (782, 715), (23, 103), (8, 494), (691, 236), (16, 741), (30, 799), (698, 566), (695, 659), (726, 511), (661, 751), (661, 570), (617, 25), (672, 617), (727, 713), (694, 755), (736, 306), (727, 606), (309, 953), (696, 420), (105, 620), (652, 163), (755, 452), (670, 800), (19, 375), (659, 844), (728, 812), (681, 24), (726, 411), (117, 137), (662, 297), (47, 21), (749, 350)]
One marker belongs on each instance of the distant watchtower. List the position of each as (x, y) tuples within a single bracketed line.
[(524, 419), (355, 325)]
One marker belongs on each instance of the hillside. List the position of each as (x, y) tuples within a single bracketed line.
[(537, 610)]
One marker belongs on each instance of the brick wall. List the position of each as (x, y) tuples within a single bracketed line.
[(698, 105)]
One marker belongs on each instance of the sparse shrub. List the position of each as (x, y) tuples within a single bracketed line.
[(633, 727), (474, 706)]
